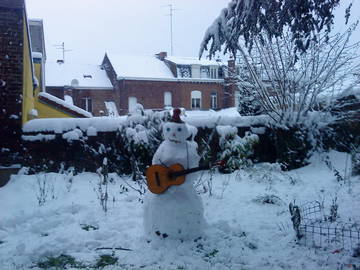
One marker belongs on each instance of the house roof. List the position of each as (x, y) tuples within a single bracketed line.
[(192, 61), (62, 105), (136, 66), (76, 75)]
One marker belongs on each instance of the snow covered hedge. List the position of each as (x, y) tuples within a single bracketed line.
[(129, 142)]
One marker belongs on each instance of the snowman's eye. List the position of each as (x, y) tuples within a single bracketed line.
[(179, 129), (168, 129)]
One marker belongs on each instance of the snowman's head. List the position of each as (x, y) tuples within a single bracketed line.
[(176, 130)]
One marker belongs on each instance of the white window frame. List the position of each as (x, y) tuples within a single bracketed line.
[(195, 100), (87, 104), (167, 99), (132, 101), (214, 100)]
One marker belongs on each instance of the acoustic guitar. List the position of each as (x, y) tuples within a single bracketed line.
[(159, 178)]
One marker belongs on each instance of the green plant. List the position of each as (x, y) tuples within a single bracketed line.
[(235, 151), (106, 260), (60, 262)]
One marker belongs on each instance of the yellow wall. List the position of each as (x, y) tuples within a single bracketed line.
[(28, 88), (30, 97), (47, 111)]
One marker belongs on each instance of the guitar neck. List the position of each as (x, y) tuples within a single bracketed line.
[(184, 172)]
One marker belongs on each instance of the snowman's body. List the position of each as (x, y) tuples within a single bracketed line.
[(178, 212)]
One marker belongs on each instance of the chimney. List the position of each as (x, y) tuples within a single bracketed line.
[(161, 55), (231, 67)]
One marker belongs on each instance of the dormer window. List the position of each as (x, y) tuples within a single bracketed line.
[(87, 76), (184, 71), (213, 73), (204, 72)]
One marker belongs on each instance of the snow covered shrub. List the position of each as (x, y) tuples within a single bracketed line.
[(293, 146), (142, 134), (235, 151)]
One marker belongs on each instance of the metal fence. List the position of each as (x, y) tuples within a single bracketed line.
[(315, 228)]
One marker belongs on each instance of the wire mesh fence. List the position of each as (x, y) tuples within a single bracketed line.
[(313, 227)]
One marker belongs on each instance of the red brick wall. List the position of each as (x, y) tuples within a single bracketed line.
[(151, 93), (97, 96)]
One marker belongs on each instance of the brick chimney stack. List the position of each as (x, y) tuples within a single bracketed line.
[(161, 55), (231, 68)]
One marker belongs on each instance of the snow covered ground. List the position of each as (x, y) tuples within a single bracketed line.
[(242, 232)]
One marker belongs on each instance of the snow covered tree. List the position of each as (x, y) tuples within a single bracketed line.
[(288, 85), (287, 53), (250, 19)]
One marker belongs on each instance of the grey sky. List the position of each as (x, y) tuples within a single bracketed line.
[(91, 27)]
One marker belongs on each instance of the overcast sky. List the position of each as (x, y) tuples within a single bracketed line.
[(91, 27)]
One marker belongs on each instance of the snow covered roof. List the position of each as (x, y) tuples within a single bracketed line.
[(62, 104), (192, 61), (138, 66), (76, 75)]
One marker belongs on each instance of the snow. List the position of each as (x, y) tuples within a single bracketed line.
[(229, 116), (60, 125), (65, 104), (241, 232), (72, 135), (68, 99), (38, 137), (34, 113), (65, 74), (139, 66), (37, 55), (198, 119), (192, 61)]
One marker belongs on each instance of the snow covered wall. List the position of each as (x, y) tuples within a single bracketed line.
[(55, 144)]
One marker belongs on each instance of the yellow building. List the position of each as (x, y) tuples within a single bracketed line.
[(36, 103)]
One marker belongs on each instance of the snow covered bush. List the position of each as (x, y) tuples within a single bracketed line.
[(235, 151), (142, 134)]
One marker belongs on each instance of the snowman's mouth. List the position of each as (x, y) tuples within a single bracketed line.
[(174, 141)]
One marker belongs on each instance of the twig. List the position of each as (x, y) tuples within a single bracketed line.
[(114, 248)]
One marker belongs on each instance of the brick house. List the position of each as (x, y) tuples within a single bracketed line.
[(85, 86), (166, 81), (114, 87)]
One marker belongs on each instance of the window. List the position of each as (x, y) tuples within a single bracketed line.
[(204, 72), (132, 104), (213, 101), (167, 99), (86, 104), (111, 109), (213, 72), (195, 100), (237, 99)]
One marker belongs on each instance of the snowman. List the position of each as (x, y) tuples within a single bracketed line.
[(176, 213)]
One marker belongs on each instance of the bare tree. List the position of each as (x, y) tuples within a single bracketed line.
[(287, 84)]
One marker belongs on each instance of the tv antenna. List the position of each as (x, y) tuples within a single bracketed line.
[(62, 47), (171, 9)]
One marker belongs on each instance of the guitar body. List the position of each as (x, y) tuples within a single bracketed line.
[(159, 177)]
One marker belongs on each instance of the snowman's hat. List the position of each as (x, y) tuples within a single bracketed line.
[(176, 116)]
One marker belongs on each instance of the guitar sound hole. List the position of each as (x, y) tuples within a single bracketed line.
[(171, 176)]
